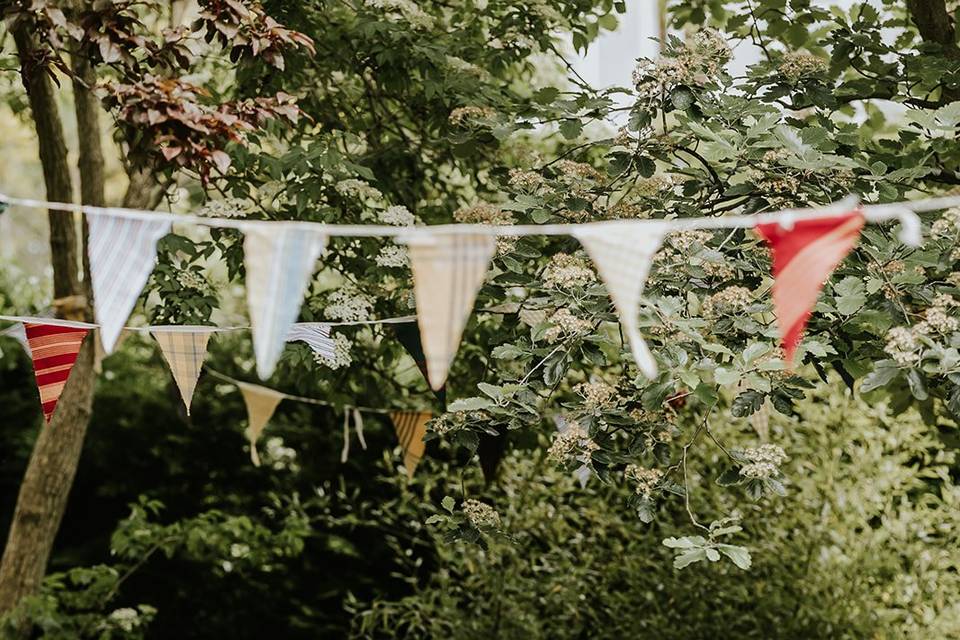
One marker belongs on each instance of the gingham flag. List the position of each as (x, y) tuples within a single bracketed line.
[(316, 335), (280, 260), (411, 426), (184, 349), (448, 270), (804, 256), (54, 350), (623, 250), (122, 252), (261, 403)]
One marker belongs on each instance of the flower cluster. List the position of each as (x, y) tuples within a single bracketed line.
[(461, 116), (763, 462), (348, 304), (947, 225), (481, 515), (193, 279), (483, 213), (727, 301), (341, 353), (565, 271), (646, 480), (355, 188), (226, 208), (797, 65), (392, 255), (279, 457), (573, 443), (654, 185), (596, 395), (397, 215), (526, 180), (903, 346), (565, 324), (577, 170), (406, 10), (697, 63)]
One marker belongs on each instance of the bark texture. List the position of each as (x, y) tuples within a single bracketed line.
[(53, 464)]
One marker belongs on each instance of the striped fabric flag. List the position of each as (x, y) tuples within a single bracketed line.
[(408, 335), (448, 270), (280, 260), (185, 349), (411, 426), (54, 350), (316, 335), (123, 252), (623, 251), (804, 256), (261, 403)]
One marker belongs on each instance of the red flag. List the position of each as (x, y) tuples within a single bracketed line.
[(54, 349), (803, 258)]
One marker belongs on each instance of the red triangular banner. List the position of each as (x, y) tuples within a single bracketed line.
[(54, 349), (804, 256)]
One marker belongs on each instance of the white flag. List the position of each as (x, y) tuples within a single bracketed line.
[(280, 259), (448, 270), (261, 403), (315, 334), (623, 250), (185, 349), (123, 252)]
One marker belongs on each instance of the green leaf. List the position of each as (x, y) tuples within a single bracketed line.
[(852, 295), (747, 403), (571, 129), (883, 374), (740, 556), (470, 404), (448, 503)]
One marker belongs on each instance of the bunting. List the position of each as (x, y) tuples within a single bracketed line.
[(408, 335), (316, 335), (261, 403), (448, 270), (185, 349), (122, 255), (280, 259), (54, 350), (411, 426), (804, 256), (623, 252)]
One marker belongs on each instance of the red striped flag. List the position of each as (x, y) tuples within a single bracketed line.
[(803, 258), (54, 349)]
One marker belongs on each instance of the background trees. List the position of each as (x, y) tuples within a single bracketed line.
[(398, 112)]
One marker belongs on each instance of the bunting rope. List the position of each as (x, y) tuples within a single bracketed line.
[(191, 328), (904, 211)]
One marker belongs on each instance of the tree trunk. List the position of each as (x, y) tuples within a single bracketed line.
[(56, 453), (935, 25)]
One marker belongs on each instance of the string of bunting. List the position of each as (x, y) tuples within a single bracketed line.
[(449, 264)]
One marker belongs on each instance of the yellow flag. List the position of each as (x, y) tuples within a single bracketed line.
[(411, 426), (261, 403)]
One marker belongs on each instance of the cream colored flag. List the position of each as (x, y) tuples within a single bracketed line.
[(623, 251), (280, 258), (448, 270), (185, 349), (411, 426), (261, 403)]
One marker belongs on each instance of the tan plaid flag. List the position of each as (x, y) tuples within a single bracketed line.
[(411, 426), (448, 270), (261, 403), (623, 250), (185, 349)]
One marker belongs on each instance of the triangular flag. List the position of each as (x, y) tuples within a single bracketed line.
[(623, 251), (316, 335), (448, 270), (184, 349), (408, 335), (261, 403), (122, 252), (804, 256), (411, 426), (54, 350), (280, 259)]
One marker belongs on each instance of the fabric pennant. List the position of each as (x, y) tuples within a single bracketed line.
[(280, 258), (408, 335), (411, 426), (122, 252), (804, 256), (316, 335), (623, 251), (185, 349), (261, 403), (54, 351), (448, 270)]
